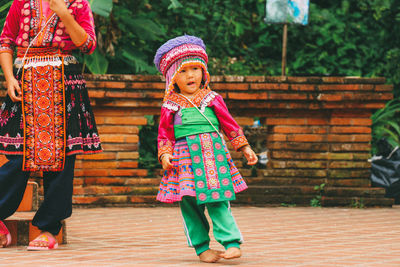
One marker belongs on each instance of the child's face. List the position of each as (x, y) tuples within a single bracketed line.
[(189, 79)]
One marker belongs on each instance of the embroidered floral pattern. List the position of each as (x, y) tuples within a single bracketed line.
[(199, 99), (5, 115), (239, 141), (44, 114), (164, 146)]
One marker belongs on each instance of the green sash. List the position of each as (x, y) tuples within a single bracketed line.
[(194, 123), (213, 180)]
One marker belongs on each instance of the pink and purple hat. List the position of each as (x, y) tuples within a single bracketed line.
[(180, 52)]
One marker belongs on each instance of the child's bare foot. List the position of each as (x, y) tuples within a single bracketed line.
[(231, 253), (210, 256)]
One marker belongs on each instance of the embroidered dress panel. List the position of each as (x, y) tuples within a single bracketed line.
[(180, 181), (213, 181), (43, 108)]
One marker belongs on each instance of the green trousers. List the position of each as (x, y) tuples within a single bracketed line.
[(197, 228)]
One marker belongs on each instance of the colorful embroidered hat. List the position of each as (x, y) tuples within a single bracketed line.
[(180, 52)]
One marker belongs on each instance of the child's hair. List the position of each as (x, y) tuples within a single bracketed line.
[(177, 53)]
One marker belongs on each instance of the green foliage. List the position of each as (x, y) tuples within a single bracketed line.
[(386, 124), (357, 203), (101, 7), (316, 201), (96, 62), (148, 146), (4, 6), (347, 37)]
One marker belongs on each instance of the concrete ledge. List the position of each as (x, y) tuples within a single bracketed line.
[(22, 230), (30, 201)]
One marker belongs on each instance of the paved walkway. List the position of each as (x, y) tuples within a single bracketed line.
[(273, 237)]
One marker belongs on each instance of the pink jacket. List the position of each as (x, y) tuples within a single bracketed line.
[(26, 17), (204, 98)]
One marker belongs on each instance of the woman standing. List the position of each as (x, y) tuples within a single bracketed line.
[(46, 118)]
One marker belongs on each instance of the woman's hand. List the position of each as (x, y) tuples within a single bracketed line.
[(58, 6), (166, 161), (13, 89), (250, 155), (75, 31)]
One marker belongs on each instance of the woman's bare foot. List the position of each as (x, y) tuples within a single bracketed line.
[(231, 253), (210, 256)]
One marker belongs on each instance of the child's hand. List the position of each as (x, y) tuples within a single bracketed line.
[(250, 155), (166, 161)]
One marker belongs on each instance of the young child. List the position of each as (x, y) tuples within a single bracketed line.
[(199, 171)]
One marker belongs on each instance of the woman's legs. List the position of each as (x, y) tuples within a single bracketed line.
[(57, 204), (12, 186)]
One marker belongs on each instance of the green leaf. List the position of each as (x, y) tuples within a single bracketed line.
[(174, 4), (137, 61), (101, 7), (96, 63), (395, 126), (5, 6), (146, 29)]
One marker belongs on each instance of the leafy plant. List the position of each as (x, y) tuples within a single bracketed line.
[(316, 201), (386, 124), (357, 203), (101, 7), (148, 158), (4, 6)]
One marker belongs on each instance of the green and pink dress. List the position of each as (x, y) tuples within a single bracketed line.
[(202, 165)]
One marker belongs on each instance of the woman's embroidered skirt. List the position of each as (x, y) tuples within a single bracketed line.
[(74, 117)]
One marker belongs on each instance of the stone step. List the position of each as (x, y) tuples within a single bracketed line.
[(302, 195), (22, 231), (351, 182), (356, 202), (273, 199), (30, 201), (331, 191)]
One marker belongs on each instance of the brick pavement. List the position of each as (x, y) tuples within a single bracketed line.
[(299, 236)]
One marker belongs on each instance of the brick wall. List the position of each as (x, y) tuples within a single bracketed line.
[(317, 130)]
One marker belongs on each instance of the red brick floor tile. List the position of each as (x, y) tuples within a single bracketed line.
[(273, 237)]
